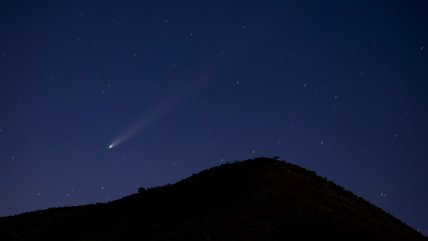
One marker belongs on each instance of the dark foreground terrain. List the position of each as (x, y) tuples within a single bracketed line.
[(261, 199)]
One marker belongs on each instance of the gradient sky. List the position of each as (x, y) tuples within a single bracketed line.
[(339, 87)]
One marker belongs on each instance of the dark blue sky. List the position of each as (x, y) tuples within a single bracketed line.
[(338, 87)]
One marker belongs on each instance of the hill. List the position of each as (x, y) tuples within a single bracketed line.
[(259, 199)]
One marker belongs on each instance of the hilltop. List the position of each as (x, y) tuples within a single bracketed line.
[(258, 199)]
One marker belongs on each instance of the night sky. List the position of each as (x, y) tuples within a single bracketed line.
[(174, 87)]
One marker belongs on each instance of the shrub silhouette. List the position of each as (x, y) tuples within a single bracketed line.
[(141, 189)]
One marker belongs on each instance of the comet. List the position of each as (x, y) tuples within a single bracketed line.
[(160, 111), (152, 117), (136, 128)]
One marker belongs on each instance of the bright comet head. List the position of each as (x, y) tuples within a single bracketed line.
[(111, 146)]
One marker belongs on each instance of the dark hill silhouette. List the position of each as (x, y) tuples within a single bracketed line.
[(259, 199)]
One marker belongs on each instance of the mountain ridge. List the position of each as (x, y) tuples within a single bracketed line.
[(256, 199)]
